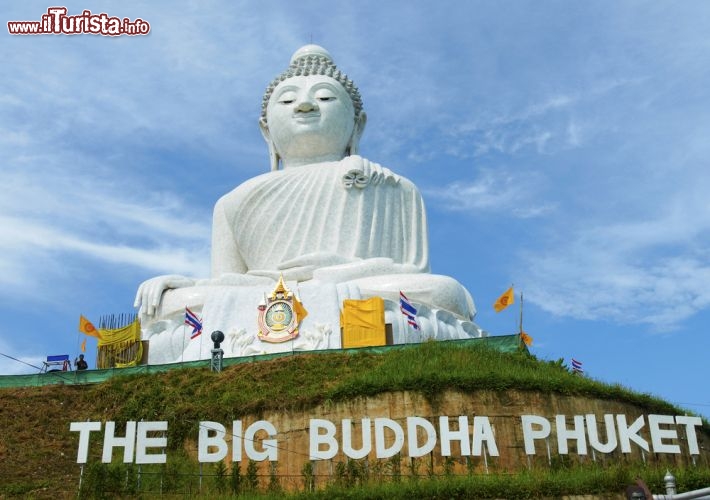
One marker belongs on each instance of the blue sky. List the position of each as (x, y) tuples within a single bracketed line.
[(560, 146)]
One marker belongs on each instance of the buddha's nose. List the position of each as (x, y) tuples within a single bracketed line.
[(306, 105)]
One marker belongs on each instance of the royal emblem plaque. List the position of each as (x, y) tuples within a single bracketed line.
[(278, 315)]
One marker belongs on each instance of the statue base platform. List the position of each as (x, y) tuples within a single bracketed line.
[(234, 311)]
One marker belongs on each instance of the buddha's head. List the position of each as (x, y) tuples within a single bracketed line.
[(311, 112)]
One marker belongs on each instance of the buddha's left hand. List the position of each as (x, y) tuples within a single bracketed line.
[(301, 268)]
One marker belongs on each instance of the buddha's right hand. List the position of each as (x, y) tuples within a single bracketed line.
[(150, 292)]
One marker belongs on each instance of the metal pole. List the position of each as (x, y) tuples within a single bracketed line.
[(81, 477), (182, 354)]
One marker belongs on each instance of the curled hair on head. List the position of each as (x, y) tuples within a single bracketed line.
[(314, 64)]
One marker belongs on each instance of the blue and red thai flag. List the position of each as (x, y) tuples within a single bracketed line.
[(577, 366), (408, 310), (192, 320)]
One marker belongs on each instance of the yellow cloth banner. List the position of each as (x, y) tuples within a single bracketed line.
[(83, 346), (87, 328), (120, 347), (504, 300), (136, 353), (131, 332), (363, 322)]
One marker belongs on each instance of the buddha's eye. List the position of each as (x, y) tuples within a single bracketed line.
[(288, 97), (325, 95)]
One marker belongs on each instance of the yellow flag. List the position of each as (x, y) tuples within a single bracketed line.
[(300, 311), (83, 346), (504, 300), (527, 339), (87, 328)]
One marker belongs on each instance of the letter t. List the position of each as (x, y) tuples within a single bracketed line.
[(84, 429)]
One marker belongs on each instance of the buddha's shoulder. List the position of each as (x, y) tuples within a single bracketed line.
[(250, 185), (326, 174)]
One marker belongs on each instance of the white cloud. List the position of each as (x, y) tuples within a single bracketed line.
[(552, 123), (539, 139), (495, 190), (589, 286), (49, 216), (651, 271), (575, 135)]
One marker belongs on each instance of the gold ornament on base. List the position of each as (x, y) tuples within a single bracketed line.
[(280, 315)]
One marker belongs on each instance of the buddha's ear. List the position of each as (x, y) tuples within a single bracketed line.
[(273, 155), (354, 144)]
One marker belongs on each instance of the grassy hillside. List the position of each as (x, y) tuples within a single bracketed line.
[(39, 453)]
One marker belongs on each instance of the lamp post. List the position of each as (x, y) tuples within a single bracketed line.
[(217, 352)]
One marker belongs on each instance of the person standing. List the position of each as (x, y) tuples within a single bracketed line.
[(81, 363)]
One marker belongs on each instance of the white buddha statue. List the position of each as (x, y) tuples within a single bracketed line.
[(323, 216)]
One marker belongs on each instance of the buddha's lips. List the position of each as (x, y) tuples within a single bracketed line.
[(310, 116)]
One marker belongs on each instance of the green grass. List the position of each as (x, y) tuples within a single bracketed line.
[(106, 481), (304, 381), (588, 480)]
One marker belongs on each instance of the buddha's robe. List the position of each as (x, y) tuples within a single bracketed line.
[(373, 236), (280, 216)]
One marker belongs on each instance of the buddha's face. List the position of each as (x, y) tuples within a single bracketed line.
[(310, 119)]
